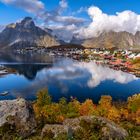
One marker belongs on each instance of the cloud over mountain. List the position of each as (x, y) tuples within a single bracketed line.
[(65, 26), (53, 17), (122, 21)]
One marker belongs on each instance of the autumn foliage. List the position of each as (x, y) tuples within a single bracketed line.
[(134, 108), (87, 108), (47, 111)]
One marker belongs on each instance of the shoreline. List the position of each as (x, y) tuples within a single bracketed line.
[(107, 57)]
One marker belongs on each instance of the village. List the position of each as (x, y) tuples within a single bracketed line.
[(119, 59)]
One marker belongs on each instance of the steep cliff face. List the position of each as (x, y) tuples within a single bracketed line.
[(26, 33), (112, 39), (137, 38)]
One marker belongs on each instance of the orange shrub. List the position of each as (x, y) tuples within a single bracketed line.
[(138, 117), (114, 114), (105, 101), (104, 106), (87, 108), (124, 114)]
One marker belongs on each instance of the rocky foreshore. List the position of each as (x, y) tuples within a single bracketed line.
[(19, 114)]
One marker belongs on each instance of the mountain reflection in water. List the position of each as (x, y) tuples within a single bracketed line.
[(28, 70), (67, 78)]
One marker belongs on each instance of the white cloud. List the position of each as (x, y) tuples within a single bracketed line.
[(72, 72), (55, 16), (64, 32), (31, 6), (121, 21), (63, 4), (95, 74), (62, 25), (80, 10), (67, 26), (101, 73)]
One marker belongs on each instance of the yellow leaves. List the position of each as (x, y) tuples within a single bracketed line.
[(51, 112), (73, 108), (106, 101), (37, 111), (75, 103), (134, 108), (138, 117), (60, 118), (134, 103), (114, 114), (87, 108), (124, 114), (43, 98), (39, 106), (104, 106)]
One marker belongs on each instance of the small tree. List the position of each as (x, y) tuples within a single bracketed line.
[(134, 103), (105, 104), (134, 108), (87, 108), (43, 99), (63, 106), (73, 108)]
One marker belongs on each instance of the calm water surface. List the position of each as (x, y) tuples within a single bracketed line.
[(63, 78)]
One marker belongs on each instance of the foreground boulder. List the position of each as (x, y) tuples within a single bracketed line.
[(106, 128), (17, 113)]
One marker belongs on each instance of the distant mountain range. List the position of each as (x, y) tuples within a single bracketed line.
[(114, 40), (26, 33)]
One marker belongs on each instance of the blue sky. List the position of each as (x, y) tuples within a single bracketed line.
[(10, 13), (81, 18)]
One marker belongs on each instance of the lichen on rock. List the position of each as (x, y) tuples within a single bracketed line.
[(18, 113)]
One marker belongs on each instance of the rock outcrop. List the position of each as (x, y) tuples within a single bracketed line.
[(26, 34), (109, 129), (18, 113)]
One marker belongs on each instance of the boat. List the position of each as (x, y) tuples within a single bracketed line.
[(4, 93)]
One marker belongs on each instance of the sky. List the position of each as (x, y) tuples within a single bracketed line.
[(84, 18)]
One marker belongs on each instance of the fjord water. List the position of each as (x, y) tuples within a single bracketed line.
[(63, 78)]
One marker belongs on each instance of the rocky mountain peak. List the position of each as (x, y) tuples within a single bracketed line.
[(27, 22), (12, 25), (114, 39), (26, 34), (27, 19), (137, 33)]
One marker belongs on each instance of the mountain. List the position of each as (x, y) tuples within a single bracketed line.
[(74, 40), (26, 33), (1, 28), (112, 40)]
